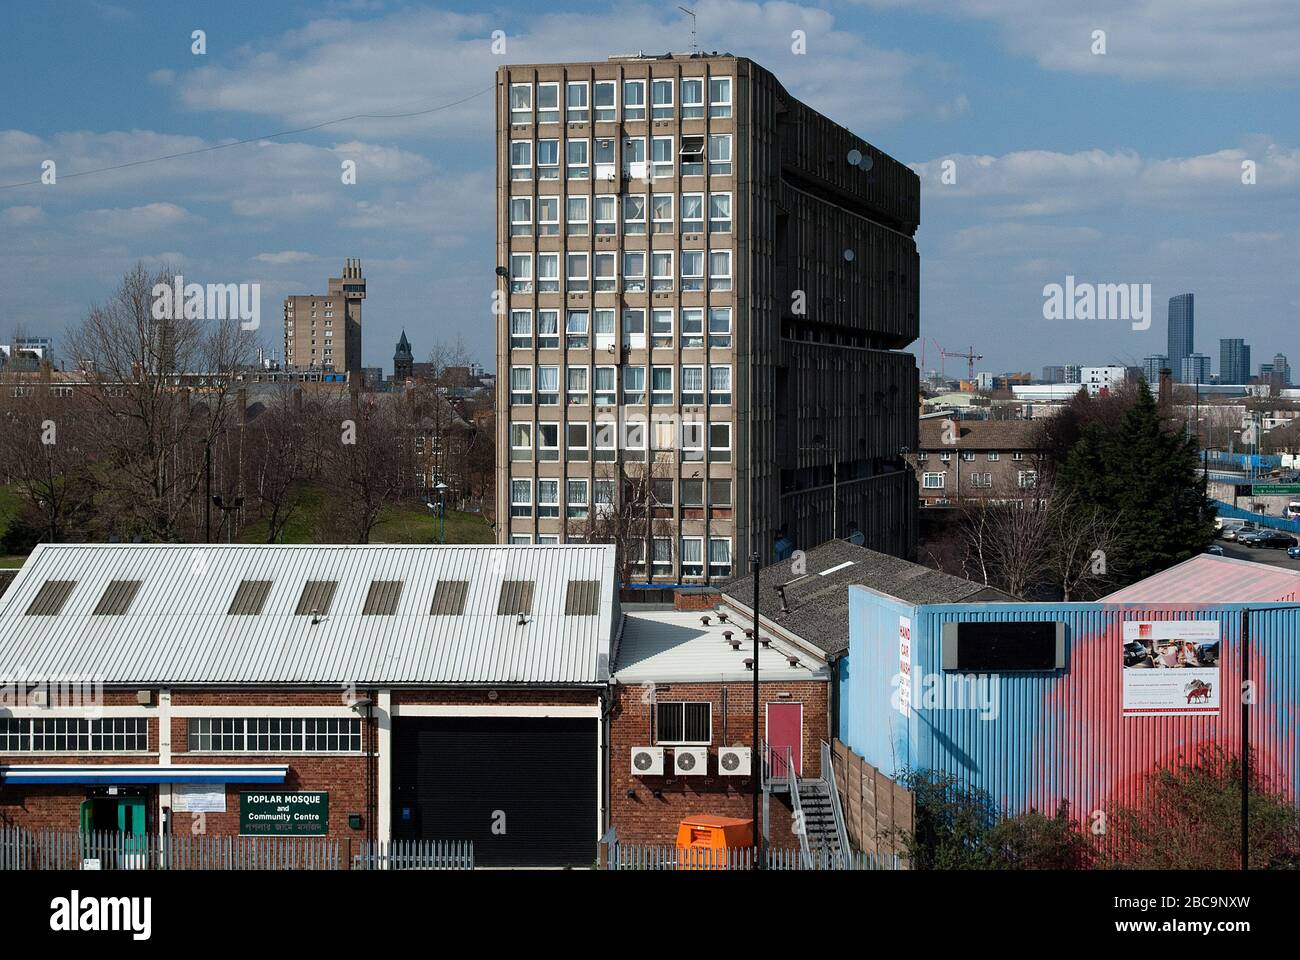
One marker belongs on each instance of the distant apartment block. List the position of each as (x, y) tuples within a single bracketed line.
[(1234, 361), (1195, 369), (710, 284), (1182, 330), (322, 331), (1151, 367), (983, 460), (1097, 379)]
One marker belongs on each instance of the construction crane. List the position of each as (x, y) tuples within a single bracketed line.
[(970, 355)]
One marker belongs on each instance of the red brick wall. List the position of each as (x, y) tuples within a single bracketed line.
[(695, 600), (342, 776), (639, 816)]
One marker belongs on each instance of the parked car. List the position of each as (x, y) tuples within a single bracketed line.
[(1293, 552), (1215, 549), (1235, 532), (1272, 539)]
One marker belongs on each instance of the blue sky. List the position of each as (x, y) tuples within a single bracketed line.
[(1116, 168)]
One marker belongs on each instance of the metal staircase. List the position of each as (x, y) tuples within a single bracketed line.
[(814, 801)]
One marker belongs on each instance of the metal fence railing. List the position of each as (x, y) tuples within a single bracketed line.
[(621, 856), (415, 855), (22, 849)]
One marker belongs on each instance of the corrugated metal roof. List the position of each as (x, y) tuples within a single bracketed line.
[(1206, 578), (666, 646), (177, 630)]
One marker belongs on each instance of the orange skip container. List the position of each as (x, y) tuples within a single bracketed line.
[(702, 842)]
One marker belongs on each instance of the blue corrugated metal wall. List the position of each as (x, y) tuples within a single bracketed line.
[(1062, 735)]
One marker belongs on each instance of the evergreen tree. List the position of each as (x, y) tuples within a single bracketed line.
[(1149, 477)]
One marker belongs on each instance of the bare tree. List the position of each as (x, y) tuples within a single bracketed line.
[(284, 455), (149, 429), (626, 512), (1008, 540), (1079, 541), (366, 463), (42, 450)]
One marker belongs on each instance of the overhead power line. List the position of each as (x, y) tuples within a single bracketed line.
[(268, 136)]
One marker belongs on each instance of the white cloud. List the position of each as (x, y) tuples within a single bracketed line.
[(132, 220), (415, 59), (21, 215), (1200, 42), (284, 257)]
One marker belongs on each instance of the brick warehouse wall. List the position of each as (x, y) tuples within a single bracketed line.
[(640, 816), (342, 776)]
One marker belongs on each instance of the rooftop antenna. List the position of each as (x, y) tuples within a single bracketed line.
[(691, 14)]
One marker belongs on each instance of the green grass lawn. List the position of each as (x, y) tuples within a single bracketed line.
[(405, 522)]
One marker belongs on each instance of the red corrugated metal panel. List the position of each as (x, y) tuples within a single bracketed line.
[(1209, 579), (1064, 736)]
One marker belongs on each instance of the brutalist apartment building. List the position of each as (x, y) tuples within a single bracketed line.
[(703, 291)]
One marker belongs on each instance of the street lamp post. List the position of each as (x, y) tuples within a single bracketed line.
[(227, 508), (440, 510)]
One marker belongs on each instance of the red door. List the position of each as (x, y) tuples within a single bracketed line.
[(785, 733)]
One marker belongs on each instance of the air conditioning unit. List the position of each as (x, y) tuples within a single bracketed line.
[(647, 761), (733, 761), (690, 761)]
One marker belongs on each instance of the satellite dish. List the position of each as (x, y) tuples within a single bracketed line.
[(855, 157)]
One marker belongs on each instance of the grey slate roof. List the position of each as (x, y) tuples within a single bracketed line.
[(178, 628), (818, 602)]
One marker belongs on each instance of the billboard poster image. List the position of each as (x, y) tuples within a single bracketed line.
[(1170, 667)]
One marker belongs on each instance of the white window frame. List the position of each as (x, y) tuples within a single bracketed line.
[(577, 335), (553, 114), (581, 170), (658, 202), (521, 451), (577, 226), (548, 487), (606, 226), (604, 397), (723, 570), (661, 396), (608, 114), (693, 109), (692, 395), (581, 394), (521, 171), (720, 337), (720, 397), (552, 336), (548, 452), (633, 111), (548, 226), (578, 281), (605, 281), (722, 166), (518, 507), (658, 110), (578, 507), (521, 115), (634, 226), (718, 108), (693, 225), (521, 227), (521, 280), (720, 282), (518, 339), (580, 113), (548, 397), (661, 168), (662, 275), (548, 171), (719, 224)]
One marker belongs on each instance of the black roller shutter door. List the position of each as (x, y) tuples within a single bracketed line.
[(455, 777)]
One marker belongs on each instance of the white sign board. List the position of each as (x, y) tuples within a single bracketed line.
[(198, 798), (1170, 667), (904, 665)]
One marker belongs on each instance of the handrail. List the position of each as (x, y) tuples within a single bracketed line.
[(828, 774), (796, 806)]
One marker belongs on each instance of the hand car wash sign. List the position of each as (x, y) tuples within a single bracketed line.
[(284, 814)]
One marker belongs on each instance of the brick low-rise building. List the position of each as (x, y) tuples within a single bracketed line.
[(408, 692), (980, 460)]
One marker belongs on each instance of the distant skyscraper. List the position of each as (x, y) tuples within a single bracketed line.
[(1073, 373), (1181, 330), (1282, 369), (312, 340), (403, 360), (1196, 368), (1054, 373), (1234, 361), (1151, 367)]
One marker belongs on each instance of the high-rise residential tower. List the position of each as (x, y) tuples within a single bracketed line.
[(322, 331), (704, 290), (1182, 315), (1234, 361)]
